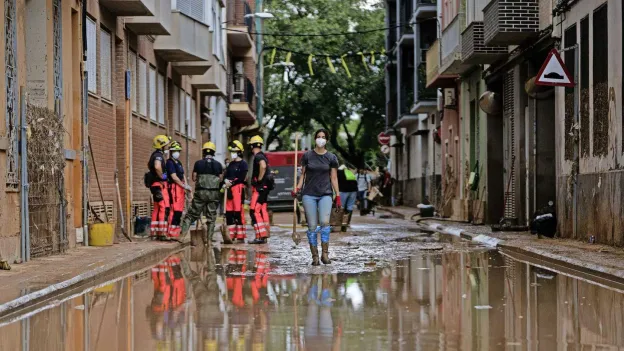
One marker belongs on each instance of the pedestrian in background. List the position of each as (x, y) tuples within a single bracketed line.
[(385, 183), (348, 185), (178, 186), (364, 186), (207, 175), (318, 183)]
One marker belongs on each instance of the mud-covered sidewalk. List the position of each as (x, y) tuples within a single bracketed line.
[(594, 261), (40, 279)]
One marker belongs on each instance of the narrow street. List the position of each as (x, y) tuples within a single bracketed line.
[(390, 287)]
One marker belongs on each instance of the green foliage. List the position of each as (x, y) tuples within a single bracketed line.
[(352, 109)]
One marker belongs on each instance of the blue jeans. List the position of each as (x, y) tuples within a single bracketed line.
[(361, 195), (317, 211), (348, 200)]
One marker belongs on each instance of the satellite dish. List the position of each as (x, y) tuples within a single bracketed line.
[(490, 103), (538, 92)]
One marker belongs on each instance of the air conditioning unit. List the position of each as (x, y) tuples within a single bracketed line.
[(449, 98), (239, 83)]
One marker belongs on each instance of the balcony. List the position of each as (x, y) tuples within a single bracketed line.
[(239, 27), (242, 97), (158, 24), (425, 9), (191, 68), (433, 76), (474, 50), (130, 7), (426, 97), (510, 22), (187, 41), (450, 47), (213, 82)]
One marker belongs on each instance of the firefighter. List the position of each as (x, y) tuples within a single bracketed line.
[(260, 185), (207, 175), (177, 188), (235, 176), (156, 181)]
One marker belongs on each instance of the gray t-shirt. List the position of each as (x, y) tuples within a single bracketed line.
[(363, 180), (317, 180)]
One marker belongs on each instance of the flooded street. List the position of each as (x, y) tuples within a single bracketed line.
[(390, 288)]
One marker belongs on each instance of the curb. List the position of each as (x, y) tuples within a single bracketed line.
[(90, 275)]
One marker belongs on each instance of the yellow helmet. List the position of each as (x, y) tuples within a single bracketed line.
[(209, 146), (236, 146), (256, 140), (160, 141), (175, 146)]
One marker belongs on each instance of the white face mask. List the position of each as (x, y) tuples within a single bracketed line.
[(234, 155), (176, 154), (320, 142), (166, 152)]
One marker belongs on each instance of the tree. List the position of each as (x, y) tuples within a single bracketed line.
[(351, 109)]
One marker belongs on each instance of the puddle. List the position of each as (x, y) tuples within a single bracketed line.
[(238, 299)]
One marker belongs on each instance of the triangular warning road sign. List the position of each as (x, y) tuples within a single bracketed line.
[(554, 72)]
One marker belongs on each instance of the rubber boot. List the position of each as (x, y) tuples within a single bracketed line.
[(349, 220), (315, 255), (325, 254)]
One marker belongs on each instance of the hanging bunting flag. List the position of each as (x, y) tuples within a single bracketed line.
[(310, 64), (330, 64), (363, 60), (372, 57), (344, 64), (272, 57), (288, 55)]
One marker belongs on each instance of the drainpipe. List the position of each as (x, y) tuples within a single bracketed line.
[(24, 215), (85, 129), (259, 65)]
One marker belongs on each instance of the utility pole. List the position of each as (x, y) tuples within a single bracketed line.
[(259, 65)]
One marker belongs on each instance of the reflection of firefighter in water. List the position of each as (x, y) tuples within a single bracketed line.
[(166, 311), (237, 263), (259, 293)]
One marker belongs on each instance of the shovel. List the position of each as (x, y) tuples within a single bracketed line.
[(295, 237), (224, 231)]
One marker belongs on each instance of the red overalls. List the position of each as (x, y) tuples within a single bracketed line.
[(236, 282), (160, 195), (235, 216), (177, 208), (259, 213)]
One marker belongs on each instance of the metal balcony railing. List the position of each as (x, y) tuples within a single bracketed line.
[(236, 17), (242, 90), (425, 93)]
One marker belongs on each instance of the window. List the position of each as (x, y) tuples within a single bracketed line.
[(584, 84), (601, 81), (192, 8), (142, 87), (176, 108), (193, 123), (105, 64), (189, 108), (161, 99), (569, 40), (132, 66), (182, 112), (92, 55), (152, 94)]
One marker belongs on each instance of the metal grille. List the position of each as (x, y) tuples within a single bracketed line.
[(145, 275), (46, 195), (141, 208), (10, 63), (101, 209), (510, 148), (58, 40)]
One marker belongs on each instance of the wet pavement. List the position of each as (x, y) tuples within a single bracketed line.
[(389, 288)]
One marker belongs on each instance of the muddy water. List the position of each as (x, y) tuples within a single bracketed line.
[(469, 299)]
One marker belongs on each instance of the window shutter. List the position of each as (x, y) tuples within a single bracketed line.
[(161, 99), (176, 108), (105, 64), (192, 8), (194, 120), (132, 65), (92, 55), (152, 94), (142, 88)]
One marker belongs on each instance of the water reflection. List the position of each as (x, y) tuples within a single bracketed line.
[(225, 299)]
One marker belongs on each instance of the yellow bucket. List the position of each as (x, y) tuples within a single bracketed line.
[(101, 234)]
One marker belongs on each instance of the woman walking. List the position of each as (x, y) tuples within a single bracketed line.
[(318, 183)]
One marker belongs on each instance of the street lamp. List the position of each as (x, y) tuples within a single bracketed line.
[(261, 15)]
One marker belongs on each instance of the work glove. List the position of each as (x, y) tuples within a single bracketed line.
[(164, 176), (187, 187), (338, 202), (295, 192), (228, 183)]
